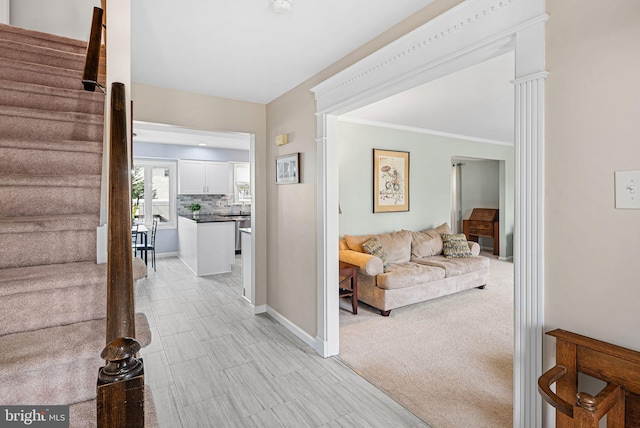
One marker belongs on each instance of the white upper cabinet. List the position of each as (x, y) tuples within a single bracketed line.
[(203, 178), (217, 181), (242, 182)]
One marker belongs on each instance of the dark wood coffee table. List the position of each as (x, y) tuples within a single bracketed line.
[(348, 283)]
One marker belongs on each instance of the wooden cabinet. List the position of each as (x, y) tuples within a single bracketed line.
[(483, 222), (203, 178)]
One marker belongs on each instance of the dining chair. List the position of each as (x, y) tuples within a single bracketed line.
[(150, 245), (134, 239)]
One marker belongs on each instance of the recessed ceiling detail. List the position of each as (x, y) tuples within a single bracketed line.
[(146, 132)]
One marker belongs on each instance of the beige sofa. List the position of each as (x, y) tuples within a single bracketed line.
[(416, 271)]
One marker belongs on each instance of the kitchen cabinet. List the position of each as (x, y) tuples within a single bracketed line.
[(206, 247), (241, 182), (203, 178)]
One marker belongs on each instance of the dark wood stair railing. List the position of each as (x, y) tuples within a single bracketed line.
[(92, 59), (120, 389), (619, 367)]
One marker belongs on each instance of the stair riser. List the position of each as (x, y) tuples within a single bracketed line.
[(48, 162), (43, 200), (80, 104), (17, 34), (69, 382), (43, 129), (40, 56), (28, 74), (32, 249), (62, 306)]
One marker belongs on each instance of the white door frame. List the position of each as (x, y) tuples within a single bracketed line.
[(469, 33)]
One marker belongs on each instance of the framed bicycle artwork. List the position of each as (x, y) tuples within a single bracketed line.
[(390, 181)]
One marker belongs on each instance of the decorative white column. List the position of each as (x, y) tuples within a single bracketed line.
[(327, 340), (528, 248)]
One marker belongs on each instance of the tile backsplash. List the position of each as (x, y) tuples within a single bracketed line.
[(210, 204)]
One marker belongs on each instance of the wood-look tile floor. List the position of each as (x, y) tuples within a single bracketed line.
[(213, 363)]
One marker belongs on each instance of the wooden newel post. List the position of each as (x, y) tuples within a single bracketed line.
[(120, 393)]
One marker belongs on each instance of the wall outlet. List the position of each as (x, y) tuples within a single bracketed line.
[(627, 189)]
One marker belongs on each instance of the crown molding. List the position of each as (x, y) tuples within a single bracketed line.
[(428, 47), (419, 130)]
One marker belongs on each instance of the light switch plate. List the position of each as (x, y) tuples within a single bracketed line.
[(627, 190)]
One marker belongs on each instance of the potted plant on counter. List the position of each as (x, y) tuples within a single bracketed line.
[(195, 209)]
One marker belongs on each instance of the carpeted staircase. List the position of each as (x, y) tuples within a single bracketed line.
[(52, 292)]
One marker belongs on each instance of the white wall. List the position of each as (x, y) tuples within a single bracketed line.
[(68, 18), (430, 177), (592, 249)]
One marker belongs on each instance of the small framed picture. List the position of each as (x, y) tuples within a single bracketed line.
[(390, 181), (288, 169)]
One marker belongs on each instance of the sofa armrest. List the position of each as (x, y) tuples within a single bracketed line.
[(369, 264), (474, 247)]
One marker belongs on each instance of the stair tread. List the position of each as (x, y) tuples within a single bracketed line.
[(58, 145), (80, 93), (44, 36), (46, 277), (15, 45), (54, 346), (48, 223), (50, 180), (57, 116), (49, 69)]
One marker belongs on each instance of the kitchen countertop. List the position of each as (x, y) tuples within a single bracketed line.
[(213, 218)]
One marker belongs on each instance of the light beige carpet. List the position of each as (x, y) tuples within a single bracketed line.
[(448, 360)]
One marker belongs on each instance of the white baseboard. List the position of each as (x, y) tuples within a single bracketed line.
[(506, 259), (301, 334), (165, 255), (260, 309)]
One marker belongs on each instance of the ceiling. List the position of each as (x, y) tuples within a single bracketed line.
[(243, 50), (474, 103)]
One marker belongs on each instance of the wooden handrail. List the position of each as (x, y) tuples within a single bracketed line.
[(92, 59), (619, 367), (544, 387), (120, 389), (120, 303)]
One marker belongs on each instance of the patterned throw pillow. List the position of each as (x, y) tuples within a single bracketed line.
[(374, 247), (455, 246)]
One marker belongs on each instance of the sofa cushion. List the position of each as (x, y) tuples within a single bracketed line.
[(407, 275), (355, 242), (455, 267), (397, 245), (428, 242), (455, 246), (374, 247)]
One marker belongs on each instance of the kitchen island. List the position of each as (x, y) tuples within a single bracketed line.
[(207, 243)]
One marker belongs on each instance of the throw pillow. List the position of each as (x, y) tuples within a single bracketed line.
[(397, 246), (428, 242), (455, 246), (374, 247), (355, 242)]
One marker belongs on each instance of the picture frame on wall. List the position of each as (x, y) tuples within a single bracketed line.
[(288, 169), (390, 181)]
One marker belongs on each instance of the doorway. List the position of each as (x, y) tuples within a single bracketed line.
[(519, 24)]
